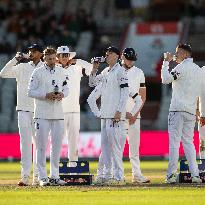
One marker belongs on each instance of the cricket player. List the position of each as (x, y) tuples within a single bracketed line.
[(114, 97), (136, 80), (48, 86), (181, 120), (102, 173), (25, 108), (73, 69)]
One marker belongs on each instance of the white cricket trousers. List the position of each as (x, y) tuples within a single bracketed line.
[(181, 127), (112, 137), (202, 141), (134, 143), (43, 128), (71, 132), (27, 136)]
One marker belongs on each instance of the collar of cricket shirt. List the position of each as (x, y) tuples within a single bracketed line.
[(114, 67), (187, 60), (51, 70), (38, 64)]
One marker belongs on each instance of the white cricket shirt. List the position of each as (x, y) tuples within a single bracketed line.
[(22, 72), (44, 80)]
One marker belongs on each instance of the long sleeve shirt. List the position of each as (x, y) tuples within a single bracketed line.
[(73, 74), (44, 80), (22, 73), (96, 93), (185, 79)]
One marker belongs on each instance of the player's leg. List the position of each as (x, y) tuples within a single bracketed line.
[(187, 141), (35, 168), (134, 143), (202, 142), (104, 164), (42, 129), (116, 132), (25, 146), (57, 130), (73, 137), (175, 125)]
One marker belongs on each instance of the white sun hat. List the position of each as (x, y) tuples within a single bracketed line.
[(65, 49)]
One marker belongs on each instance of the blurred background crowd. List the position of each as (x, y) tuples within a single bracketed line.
[(88, 27)]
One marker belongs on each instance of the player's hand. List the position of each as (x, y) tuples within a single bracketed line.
[(117, 116), (202, 121), (128, 115), (95, 67), (168, 56), (50, 96), (19, 56), (197, 116), (72, 61), (132, 120), (59, 96)]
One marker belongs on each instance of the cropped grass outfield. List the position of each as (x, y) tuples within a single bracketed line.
[(155, 193)]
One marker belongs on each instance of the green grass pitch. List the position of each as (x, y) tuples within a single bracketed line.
[(155, 193)]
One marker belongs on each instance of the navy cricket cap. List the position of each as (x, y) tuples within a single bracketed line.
[(36, 47), (113, 49), (130, 54)]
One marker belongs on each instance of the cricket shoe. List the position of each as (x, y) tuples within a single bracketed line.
[(140, 180), (35, 180), (24, 181), (172, 179), (100, 181), (115, 182), (44, 182), (56, 182), (196, 179)]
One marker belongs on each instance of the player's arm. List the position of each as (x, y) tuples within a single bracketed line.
[(95, 79), (137, 106), (84, 65), (201, 105), (142, 93), (124, 93), (95, 94), (11, 69), (34, 90), (169, 77)]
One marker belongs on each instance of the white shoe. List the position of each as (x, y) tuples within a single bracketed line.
[(196, 179), (172, 179), (35, 180), (140, 179), (56, 182), (115, 182), (24, 181), (44, 182), (100, 181)]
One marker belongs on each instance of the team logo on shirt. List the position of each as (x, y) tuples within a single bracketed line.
[(175, 74), (37, 126)]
